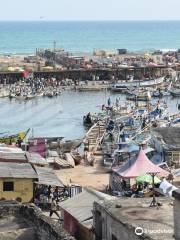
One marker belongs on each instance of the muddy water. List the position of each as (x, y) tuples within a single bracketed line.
[(58, 116)]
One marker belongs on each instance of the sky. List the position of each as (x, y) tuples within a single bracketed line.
[(62, 10)]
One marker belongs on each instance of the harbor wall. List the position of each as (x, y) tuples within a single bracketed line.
[(45, 227)]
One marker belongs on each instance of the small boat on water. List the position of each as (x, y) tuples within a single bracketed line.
[(157, 113), (88, 121), (162, 92), (12, 95), (166, 93), (8, 139), (30, 96), (41, 94), (175, 92), (52, 93), (57, 92), (21, 98), (157, 94), (24, 97), (141, 96), (4, 93), (49, 94), (136, 83)]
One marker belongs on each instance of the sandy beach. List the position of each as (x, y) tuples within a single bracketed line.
[(96, 177)]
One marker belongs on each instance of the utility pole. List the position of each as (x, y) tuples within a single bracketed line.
[(36, 67), (54, 45)]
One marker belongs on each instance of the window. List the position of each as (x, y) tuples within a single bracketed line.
[(113, 237), (8, 186)]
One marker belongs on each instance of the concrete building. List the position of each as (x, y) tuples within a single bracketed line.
[(157, 57), (176, 195), (133, 219), (77, 213), (104, 53), (16, 181), (15, 157)]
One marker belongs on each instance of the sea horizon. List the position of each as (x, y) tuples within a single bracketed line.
[(23, 37), (93, 20)]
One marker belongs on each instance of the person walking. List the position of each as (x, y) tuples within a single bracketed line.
[(54, 209)]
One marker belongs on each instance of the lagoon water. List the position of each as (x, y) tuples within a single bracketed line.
[(25, 37), (59, 116)]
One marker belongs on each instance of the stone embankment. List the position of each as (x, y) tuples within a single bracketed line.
[(31, 217)]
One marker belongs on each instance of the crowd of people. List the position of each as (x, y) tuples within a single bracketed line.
[(47, 193), (48, 197)]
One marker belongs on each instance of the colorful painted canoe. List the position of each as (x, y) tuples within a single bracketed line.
[(8, 139)]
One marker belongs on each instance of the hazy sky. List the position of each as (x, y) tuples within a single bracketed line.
[(89, 9)]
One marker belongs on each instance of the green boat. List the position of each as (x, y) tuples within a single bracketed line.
[(8, 139)]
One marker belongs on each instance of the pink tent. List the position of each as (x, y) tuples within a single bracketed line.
[(139, 167)]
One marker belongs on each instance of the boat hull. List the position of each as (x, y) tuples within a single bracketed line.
[(175, 93), (13, 138), (136, 83)]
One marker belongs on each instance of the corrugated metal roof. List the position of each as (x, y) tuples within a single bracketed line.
[(46, 176), (170, 135), (88, 224), (13, 149), (81, 206), (17, 170), (13, 156)]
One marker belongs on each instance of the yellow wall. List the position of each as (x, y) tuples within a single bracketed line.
[(23, 188)]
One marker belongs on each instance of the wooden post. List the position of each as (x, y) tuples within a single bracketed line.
[(154, 202)]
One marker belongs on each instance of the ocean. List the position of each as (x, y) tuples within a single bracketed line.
[(84, 37), (63, 116)]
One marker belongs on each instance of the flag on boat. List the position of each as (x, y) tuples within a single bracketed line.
[(25, 74)]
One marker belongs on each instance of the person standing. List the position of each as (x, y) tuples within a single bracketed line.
[(109, 102), (117, 102)]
